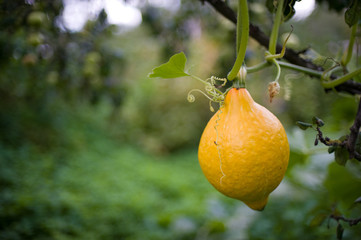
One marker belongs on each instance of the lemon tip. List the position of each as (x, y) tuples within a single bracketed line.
[(258, 205)]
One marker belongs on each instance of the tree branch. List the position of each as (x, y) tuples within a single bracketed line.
[(351, 222), (291, 56), (354, 132)]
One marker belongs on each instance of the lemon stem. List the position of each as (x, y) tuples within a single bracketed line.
[(278, 70), (239, 83), (340, 80), (348, 54), (242, 38), (204, 82), (258, 67), (311, 72), (276, 26)]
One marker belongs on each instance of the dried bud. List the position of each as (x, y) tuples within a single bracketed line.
[(273, 89)]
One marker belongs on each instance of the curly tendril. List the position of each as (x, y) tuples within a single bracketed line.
[(288, 84), (191, 97), (211, 107), (213, 80), (211, 91), (209, 88)]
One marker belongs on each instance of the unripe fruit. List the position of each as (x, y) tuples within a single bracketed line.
[(35, 39), (36, 19)]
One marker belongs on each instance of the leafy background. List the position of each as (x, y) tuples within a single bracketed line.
[(91, 148)]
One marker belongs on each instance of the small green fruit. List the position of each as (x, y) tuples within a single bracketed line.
[(36, 19), (35, 39)]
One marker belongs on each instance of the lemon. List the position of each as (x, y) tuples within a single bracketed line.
[(244, 151)]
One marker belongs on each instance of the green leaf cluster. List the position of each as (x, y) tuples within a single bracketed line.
[(288, 8), (303, 125), (341, 155), (353, 13), (336, 5), (315, 122), (96, 188)]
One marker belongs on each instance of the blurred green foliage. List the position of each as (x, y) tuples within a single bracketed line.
[(100, 190), (90, 148), (96, 188)]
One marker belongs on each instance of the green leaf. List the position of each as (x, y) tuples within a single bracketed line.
[(318, 121), (270, 4), (358, 143), (339, 231), (174, 68), (343, 138), (356, 203), (216, 226), (331, 149), (342, 184), (288, 8), (353, 13), (358, 200), (318, 220), (303, 125), (341, 156)]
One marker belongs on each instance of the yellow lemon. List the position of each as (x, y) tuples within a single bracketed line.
[(244, 151)]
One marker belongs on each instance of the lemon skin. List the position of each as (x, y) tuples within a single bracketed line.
[(244, 151)]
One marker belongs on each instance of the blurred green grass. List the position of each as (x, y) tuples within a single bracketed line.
[(95, 187)]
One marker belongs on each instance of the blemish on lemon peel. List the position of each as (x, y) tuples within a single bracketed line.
[(214, 95), (218, 146), (246, 141)]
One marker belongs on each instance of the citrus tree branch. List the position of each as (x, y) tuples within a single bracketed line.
[(354, 131), (351, 222), (291, 56), (349, 142)]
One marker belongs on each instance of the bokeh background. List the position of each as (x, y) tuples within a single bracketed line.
[(91, 148)]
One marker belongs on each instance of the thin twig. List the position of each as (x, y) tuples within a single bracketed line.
[(351, 222), (354, 132), (325, 140)]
